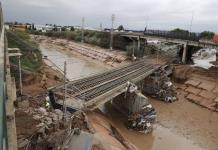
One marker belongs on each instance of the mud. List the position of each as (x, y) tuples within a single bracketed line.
[(36, 83), (181, 125)]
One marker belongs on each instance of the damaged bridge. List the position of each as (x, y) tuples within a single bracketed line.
[(90, 92)]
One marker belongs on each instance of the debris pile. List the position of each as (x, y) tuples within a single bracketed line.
[(160, 86), (143, 120), (140, 114), (204, 57), (38, 128)]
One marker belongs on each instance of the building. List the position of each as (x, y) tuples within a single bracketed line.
[(215, 38)]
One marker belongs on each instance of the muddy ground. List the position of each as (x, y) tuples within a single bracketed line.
[(195, 125), (189, 120)]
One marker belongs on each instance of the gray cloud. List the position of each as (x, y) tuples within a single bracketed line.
[(133, 14)]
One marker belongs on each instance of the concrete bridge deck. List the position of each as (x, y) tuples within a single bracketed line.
[(173, 40), (100, 88)]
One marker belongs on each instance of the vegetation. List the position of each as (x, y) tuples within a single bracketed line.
[(31, 58), (180, 31), (207, 35), (101, 39), (120, 28)]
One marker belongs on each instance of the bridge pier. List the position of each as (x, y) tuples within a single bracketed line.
[(139, 43), (184, 54)]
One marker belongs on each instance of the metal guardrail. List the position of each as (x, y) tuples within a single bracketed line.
[(173, 34), (3, 127)]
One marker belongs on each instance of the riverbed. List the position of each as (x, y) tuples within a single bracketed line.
[(75, 67), (162, 137)]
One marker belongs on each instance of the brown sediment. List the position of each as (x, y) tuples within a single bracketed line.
[(180, 125), (37, 83)]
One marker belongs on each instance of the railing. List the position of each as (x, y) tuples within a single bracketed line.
[(173, 34), (3, 128)]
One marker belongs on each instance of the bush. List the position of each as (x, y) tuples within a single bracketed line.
[(31, 58)]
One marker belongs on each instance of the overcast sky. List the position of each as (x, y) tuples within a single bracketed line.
[(132, 14)]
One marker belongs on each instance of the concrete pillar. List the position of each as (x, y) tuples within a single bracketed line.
[(216, 55), (138, 44), (184, 53)]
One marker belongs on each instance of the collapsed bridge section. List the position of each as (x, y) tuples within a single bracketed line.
[(98, 89)]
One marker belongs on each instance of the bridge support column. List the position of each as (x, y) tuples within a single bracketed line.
[(138, 46), (184, 53), (216, 55)]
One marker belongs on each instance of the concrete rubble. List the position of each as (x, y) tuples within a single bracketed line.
[(204, 57), (47, 128), (202, 92)]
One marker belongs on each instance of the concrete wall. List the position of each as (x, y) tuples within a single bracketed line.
[(131, 102)]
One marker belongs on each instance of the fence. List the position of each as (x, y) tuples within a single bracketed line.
[(173, 34)]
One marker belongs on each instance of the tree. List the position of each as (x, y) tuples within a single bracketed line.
[(55, 27), (33, 26), (63, 29), (72, 28), (206, 35), (120, 28), (180, 31)]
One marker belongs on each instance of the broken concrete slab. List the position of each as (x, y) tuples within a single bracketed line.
[(209, 86), (207, 103), (215, 90), (194, 98), (192, 82), (193, 90), (207, 95)]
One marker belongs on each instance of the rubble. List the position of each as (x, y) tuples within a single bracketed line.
[(204, 57), (160, 86), (47, 127), (140, 114), (202, 92), (143, 121)]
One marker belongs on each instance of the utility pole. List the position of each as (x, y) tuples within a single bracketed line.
[(65, 90), (83, 21), (101, 29), (191, 24), (146, 27), (20, 75), (112, 29)]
